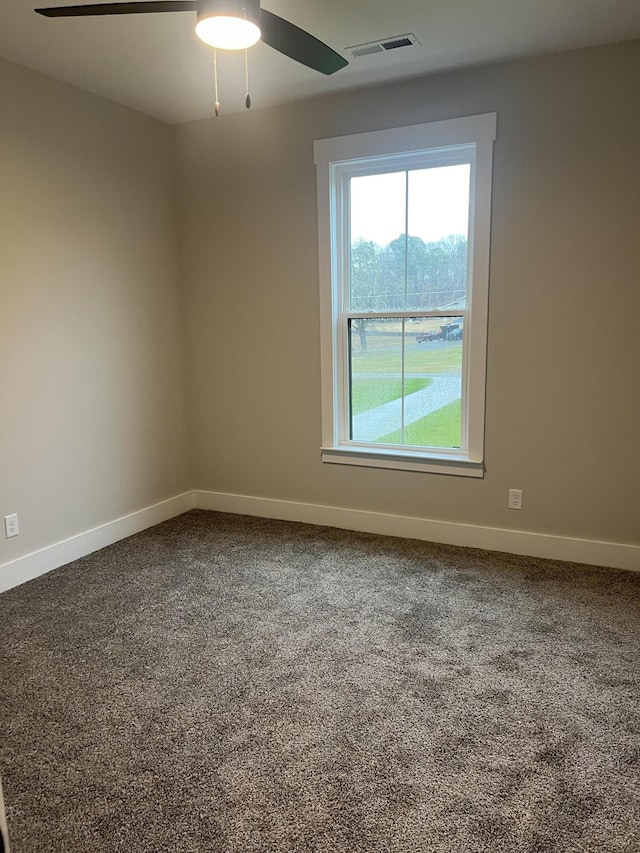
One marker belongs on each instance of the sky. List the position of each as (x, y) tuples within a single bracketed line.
[(437, 204)]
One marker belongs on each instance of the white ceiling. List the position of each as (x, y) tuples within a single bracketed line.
[(157, 65)]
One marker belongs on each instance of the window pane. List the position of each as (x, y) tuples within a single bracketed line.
[(378, 220), (405, 381), (409, 239), (438, 224), (375, 377)]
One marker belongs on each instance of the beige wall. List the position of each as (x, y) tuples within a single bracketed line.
[(562, 393), (92, 413), (93, 285)]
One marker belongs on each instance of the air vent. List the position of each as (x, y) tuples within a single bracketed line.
[(383, 45), (396, 43), (367, 50)]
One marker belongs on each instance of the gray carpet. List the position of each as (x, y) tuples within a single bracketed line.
[(222, 683)]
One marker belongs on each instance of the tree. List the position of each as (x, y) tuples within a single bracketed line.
[(407, 263), (406, 274), (366, 284), (447, 268)]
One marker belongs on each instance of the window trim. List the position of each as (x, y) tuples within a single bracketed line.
[(344, 155)]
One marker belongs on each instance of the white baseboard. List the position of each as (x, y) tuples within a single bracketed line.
[(591, 552), (40, 562)]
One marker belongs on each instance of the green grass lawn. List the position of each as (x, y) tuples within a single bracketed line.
[(439, 429), (371, 391), (446, 359)]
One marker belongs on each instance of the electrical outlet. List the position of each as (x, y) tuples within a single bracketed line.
[(515, 498), (11, 525)]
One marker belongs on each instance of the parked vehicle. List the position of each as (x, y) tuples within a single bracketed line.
[(447, 332), (451, 331)]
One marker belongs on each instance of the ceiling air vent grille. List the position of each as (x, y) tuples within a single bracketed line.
[(383, 45), (395, 43)]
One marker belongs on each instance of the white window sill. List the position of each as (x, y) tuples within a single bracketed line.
[(449, 463)]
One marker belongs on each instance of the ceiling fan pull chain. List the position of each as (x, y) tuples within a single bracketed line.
[(215, 82), (247, 100)]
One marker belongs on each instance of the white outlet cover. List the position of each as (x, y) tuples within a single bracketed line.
[(515, 498), (11, 527)]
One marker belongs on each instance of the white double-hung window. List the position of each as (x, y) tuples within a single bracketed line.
[(404, 229)]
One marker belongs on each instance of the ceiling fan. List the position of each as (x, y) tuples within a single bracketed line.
[(227, 24)]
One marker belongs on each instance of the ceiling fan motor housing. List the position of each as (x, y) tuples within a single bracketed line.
[(247, 9)]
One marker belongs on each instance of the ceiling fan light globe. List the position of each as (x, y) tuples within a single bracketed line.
[(228, 33)]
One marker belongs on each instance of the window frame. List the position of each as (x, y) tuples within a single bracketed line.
[(461, 140)]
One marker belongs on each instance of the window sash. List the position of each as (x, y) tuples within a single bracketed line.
[(341, 174), (345, 387), (406, 315)]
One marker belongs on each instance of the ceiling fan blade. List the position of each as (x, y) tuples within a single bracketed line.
[(299, 45), (119, 8)]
